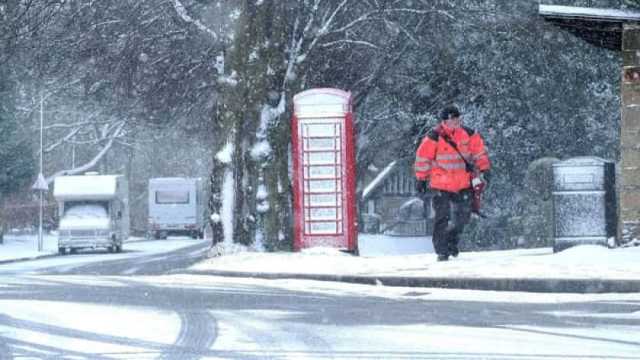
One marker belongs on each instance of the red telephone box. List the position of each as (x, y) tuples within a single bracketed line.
[(324, 175)]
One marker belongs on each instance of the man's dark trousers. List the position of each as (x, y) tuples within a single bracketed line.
[(452, 213)]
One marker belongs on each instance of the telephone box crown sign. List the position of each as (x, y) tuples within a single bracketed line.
[(322, 102)]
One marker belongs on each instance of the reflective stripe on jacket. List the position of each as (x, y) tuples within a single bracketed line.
[(442, 165)]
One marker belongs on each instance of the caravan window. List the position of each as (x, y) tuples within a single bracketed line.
[(172, 197)]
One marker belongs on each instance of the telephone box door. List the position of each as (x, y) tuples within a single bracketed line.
[(324, 170)]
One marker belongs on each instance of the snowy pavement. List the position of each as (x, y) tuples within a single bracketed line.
[(397, 257), (581, 269), (581, 263)]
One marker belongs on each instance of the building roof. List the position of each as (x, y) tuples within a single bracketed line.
[(375, 183), (598, 26), (587, 13)]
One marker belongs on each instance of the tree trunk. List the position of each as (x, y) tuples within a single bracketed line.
[(256, 68)]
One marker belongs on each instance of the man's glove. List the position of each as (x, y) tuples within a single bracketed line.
[(421, 186)]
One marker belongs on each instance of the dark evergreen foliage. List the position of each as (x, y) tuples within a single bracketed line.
[(17, 166)]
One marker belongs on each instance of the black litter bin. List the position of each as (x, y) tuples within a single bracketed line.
[(584, 202)]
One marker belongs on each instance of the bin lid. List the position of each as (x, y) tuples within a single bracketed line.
[(582, 161)]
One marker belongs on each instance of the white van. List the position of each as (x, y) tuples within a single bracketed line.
[(176, 207), (93, 210)]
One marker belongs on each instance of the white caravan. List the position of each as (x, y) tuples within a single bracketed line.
[(93, 210), (176, 206)]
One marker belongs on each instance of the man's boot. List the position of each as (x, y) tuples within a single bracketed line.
[(453, 250), (443, 257)]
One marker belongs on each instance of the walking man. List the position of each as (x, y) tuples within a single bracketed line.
[(447, 160)]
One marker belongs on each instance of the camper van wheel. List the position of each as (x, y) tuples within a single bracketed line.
[(62, 250)]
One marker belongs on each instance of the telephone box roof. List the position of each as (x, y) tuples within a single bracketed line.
[(599, 26)]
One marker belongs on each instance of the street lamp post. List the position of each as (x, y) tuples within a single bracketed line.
[(41, 169), (41, 184)]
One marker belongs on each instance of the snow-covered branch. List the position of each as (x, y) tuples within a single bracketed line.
[(324, 27), (182, 12), (352, 42), (117, 132), (380, 14), (320, 27), (73, 125), (69, 136), (293, 53)]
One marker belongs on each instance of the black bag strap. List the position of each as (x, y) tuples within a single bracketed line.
[(469, 167)]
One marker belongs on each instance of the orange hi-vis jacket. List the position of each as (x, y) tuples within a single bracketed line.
[(440, 164)]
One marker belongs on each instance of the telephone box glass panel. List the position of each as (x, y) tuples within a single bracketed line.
[(322, 182)]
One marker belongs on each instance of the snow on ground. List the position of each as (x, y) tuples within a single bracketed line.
[(26, 246), (580, 262), (104, 334), (142, 332), (388, 255), (312, 288), (429, 340), (110, 332)]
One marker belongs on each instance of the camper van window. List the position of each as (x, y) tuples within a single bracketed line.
[(75, 206), (85, 209), (172, 197)]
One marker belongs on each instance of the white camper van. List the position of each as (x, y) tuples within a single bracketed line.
[(93, 210), (176, 206)]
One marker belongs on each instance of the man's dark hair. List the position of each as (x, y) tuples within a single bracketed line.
[(449, 112)]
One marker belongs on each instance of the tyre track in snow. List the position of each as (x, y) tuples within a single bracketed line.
[(156, 264), (270, 341), (197, 334)]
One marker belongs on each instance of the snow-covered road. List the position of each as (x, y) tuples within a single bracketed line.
[(137, 257), (203, 317)]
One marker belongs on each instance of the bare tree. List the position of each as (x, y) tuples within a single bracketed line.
[(279, 48)]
